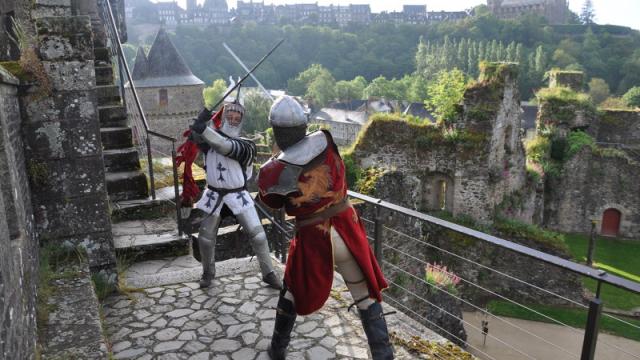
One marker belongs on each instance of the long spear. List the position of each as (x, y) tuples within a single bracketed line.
[(247, 74)]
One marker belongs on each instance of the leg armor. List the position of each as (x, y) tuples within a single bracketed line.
[(285, 319), (253, 228), (207, 244), (370, 311)]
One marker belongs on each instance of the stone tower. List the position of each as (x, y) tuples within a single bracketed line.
[(169, 92)]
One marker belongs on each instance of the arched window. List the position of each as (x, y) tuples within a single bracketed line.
[(163, 98), (611, 222), (442, 195)]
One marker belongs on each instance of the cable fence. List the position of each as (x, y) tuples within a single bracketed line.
[(496, 298)]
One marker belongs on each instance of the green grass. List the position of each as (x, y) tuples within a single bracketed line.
[(571, 316), (618, 257)]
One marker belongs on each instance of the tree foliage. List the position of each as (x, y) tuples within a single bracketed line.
[(445, 94), (632, 97), (598, 90), (395, 50), (256, 117), (587, 14), (213, 93)]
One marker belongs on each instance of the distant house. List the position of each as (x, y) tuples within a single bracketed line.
[(344, 124), (555, 11), (169, 92), (420, 111)]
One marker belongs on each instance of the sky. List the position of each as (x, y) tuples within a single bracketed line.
[(617, 12)]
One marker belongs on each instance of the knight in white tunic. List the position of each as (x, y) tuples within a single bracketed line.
[(229, 163)]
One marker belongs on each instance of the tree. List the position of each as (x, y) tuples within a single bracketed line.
[(213, 93), (632, 97), (445, 94), (256, 116), (598, 90), (588, 13), (321, 90), (350, 90)]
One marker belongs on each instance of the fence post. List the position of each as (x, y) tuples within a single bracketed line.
[(150, 163), (377, 235), (176, 187), (591, 331)]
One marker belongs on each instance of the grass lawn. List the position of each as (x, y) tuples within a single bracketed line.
[(570, 316), (617, 257)]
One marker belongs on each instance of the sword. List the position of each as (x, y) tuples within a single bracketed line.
[(247, 74), (247, 69)]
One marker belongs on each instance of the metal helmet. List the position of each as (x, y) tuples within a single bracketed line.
[(289, 121), (231, 124)]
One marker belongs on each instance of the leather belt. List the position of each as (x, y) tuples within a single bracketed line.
[(331, 211), (222, 193)]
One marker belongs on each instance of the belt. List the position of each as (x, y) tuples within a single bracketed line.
[(222, 193), (331, 211)]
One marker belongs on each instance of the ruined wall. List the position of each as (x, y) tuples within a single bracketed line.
[(18, 244), (480, 159), (618, 127), (598, 181), (62, 138)]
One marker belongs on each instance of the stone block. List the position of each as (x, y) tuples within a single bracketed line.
[(62, 3), (71, 217), (55, 47), (69, 177), (58, 140), (99, 247), (62, 106), (50, 11), (574, 80), (70, 75)]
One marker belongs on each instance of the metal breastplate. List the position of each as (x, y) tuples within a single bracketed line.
[(305, 150)]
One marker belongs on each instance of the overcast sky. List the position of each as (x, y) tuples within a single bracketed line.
[(618, 12)]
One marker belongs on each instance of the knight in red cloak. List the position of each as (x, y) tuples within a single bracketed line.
[(307, 178)]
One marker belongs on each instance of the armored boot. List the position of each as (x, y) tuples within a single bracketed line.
[(285, 319), (258, 239), (207, 246), (377, 334)]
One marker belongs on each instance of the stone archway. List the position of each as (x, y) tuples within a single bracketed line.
[(611, 222)]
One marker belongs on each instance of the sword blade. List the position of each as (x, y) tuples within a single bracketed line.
[(237, 59)]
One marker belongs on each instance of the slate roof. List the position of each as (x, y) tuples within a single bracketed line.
[(163, 67), (418, 109), (342, 116)]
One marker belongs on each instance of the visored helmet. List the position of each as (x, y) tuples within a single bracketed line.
[(289, 121)]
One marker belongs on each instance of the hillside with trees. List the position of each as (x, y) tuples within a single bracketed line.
[(379, 53)]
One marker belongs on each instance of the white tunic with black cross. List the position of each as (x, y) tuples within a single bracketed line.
[(228, 172)]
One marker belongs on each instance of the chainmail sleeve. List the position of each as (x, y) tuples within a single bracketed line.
[(243, 151)]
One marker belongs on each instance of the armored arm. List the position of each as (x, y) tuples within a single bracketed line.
[(202, 133)]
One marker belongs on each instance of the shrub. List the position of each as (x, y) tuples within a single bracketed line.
[(439, 277), (576, 141), (632, 97)]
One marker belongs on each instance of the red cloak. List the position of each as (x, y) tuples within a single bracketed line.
[(309, 270)]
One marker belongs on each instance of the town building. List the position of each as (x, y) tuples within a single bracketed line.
[(556, 11), (169, 92)]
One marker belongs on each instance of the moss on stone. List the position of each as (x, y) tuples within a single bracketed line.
[(366, 184), (38, 173), (16, 70), (517, 229)]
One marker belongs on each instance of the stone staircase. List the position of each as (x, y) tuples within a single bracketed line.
[(125, 180)]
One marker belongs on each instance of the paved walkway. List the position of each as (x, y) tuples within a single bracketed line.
[(567, 339), (233, 319)]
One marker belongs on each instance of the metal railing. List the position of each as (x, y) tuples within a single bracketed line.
[(140, 126), (380, 239)]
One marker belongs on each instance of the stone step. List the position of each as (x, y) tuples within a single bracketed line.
[(104, 75), (116, 138), (127, 185), (108, 94), (112, 116), (121, 160), (102, 54)]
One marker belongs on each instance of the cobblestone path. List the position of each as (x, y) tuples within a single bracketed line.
[(233, 319)]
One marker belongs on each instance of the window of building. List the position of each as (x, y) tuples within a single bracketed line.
[(163, 98)]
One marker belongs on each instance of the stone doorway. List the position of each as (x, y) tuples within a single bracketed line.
[(611, 222)]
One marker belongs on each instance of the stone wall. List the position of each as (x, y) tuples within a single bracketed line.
[(18, 244), (475, 166), (184, 104), (598, 181), (618, 127), (62, 138)]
